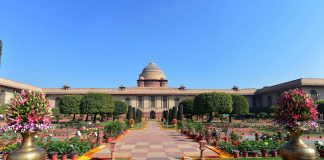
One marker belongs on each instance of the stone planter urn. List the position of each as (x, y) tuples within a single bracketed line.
[(28, 150), (296, 149)]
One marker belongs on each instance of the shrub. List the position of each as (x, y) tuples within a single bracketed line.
[(174, 113), (240, 104), (180, 113), (70, 104), (188, 107), (114, 128), (320, 106), (95, 103), (56, 113), (120, 108)]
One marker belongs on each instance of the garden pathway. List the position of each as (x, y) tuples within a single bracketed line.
[(153, 143)]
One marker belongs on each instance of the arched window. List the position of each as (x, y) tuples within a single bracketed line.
[(57, 102), (176, 101), (314, 94), (269, 101), (128, 100)]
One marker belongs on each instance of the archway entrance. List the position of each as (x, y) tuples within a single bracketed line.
[(152, 114)]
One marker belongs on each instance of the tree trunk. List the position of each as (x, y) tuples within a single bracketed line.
[(230, 118), (73, 117), (87, 118), (94, 118), (210, 117)]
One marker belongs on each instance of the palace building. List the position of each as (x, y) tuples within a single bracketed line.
[(153, 95)]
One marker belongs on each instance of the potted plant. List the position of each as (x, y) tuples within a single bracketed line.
[(245, 154), (236, 153), (274, 153), (131, 123), (53, 155), (254, 153), (175, 122), (296, 111), (74, 155), (28, 113)]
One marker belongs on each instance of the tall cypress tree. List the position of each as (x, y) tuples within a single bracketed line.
[(174, 112), (180, 112), (134, 113)]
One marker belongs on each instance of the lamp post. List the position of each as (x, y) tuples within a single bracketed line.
[(113, 149), (202, 148)]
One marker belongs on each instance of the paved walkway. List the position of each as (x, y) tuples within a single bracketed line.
[(155, 144)]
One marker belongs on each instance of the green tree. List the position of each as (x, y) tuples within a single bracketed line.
[(188, 107), (180, 113), (320, 106), (3, 108), (70, 104), (240, 105), (56, 113), (120, 108), (129, 113), (95, 103), (218, 103), (174, 113), (134, 113)]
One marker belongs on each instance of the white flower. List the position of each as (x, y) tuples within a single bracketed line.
[(89, 122), (96, 134), (79, 133), (36, 136)]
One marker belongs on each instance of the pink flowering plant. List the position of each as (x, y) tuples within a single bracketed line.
[(28, 112), (296, 110)]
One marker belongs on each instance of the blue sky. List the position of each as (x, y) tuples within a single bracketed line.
[(200, 44)]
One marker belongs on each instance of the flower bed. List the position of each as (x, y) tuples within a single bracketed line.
[(250, 146)]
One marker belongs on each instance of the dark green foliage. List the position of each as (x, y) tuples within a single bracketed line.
[(165, 114), (220, 103), (139, 115), (95, 103), (320, 106), (174, 113), (188, 106), (120, 108), (56, 113), (68, 146), (114, 128), (3, 109), (70, 104), (134, 113), (257, 110), (170, 115), (180, 113), (250, 146), (240, 105), (129, 113)]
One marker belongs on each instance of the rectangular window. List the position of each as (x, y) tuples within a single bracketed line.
[(164, 101), (152, 102), (140, 102)]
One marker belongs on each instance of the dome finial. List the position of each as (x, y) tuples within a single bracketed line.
[(152, 57)]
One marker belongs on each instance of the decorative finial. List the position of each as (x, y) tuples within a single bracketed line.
[(152, 57)]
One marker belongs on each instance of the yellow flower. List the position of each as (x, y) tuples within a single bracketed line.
[(266, 143)]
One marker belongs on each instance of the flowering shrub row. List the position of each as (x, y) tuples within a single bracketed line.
[(250, 146)]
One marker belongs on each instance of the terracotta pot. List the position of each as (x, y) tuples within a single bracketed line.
[(322, 153), (254, 154), (264, 153), (236, 154), (109, 139), (4, 156), (274, 153), (74, 156), (54, 156), (64, 157), (245, 154)]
